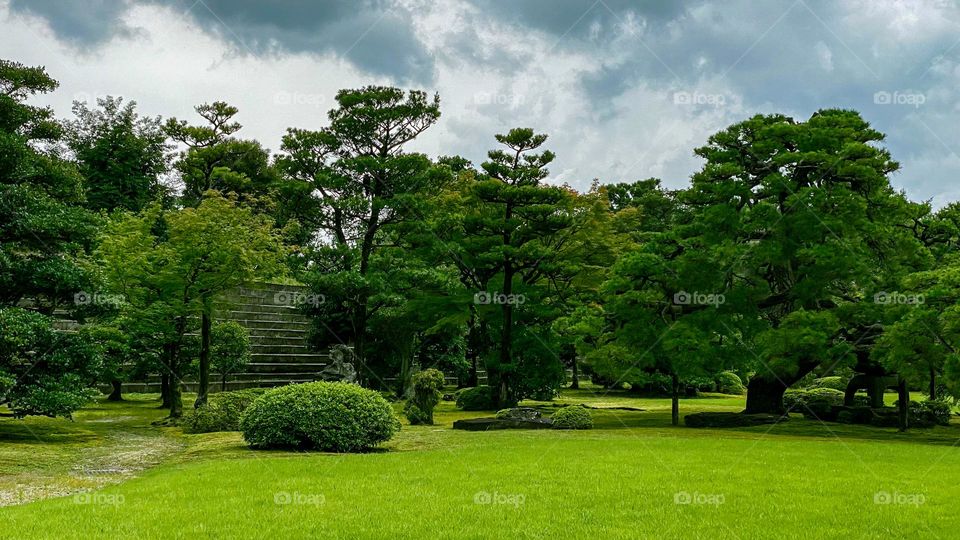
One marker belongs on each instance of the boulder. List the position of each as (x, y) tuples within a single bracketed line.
[(488, 424), (519, 413)]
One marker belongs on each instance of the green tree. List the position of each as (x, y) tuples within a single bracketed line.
[(121, 155), (229, 350), (44, 231), (171, 265), (365, 184)]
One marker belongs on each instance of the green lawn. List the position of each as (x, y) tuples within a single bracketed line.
[(626, 478)]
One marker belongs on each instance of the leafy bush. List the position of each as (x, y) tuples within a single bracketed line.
[(834, 382), (573, 417), (329, 416), (480, 398), (222, 411), (729, 382), (799, 400), (426, 394), (931, 412), (44, 372)]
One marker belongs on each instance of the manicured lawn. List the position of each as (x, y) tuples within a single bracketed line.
[(624, 479)]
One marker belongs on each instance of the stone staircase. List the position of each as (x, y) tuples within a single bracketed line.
[(278, 339)]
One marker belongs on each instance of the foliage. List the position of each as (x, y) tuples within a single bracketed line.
[(426, 394), (120, 154), (573, 417), (835, 382), (328, 416), (44, 372), (229, 350), (222, 412), (729, 382), (799, 400), (931, 412), (480, 398)]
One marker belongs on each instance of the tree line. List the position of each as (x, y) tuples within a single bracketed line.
[(788, 255)]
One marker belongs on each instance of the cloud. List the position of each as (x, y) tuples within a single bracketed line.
[(626, 89), (375, 35)]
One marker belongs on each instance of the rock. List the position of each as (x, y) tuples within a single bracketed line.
[(488, 424), (519, 413), (449, 397), (855, 415), (724, 419)]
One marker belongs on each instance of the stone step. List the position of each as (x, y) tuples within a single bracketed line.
[(259, 368), (290, 358), (298, 348), (276, 325), (215, 385), (296, 339), (241, 316)]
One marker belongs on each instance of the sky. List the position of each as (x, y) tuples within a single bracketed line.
[(626, 90)]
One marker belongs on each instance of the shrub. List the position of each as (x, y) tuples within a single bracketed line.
[(426, 394), (480, 398), (834, 382), (573, 417), (931, 412), (222, 411), (798, 400), (329, 416), (729, 382)]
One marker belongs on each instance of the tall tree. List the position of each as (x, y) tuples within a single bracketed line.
[(44, 230), (365, 184), (121, 155)]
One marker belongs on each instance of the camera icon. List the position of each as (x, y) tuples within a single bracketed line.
[(482, 297), (882, 497), (82, 298), (682, 497), (681, 98), (82, 498), (881, 297), (283, 298), (482, 497), (282, 497), (882, 97), (682, 298)]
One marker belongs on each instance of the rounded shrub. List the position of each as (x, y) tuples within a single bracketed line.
[(222, 411), (573, 417), (729, 382), (480, 398), (798, 400), (328, 416)]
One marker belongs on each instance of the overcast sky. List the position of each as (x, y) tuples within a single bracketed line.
[(625, 89)]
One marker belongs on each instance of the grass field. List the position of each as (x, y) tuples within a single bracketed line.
[(633, 476)]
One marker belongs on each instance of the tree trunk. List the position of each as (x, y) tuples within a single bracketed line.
[(575, 377), (176, 399), (675, 400), (903, 405), (933, 383), (116, 392), (164, 391), (765, 396), (203, 387)]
